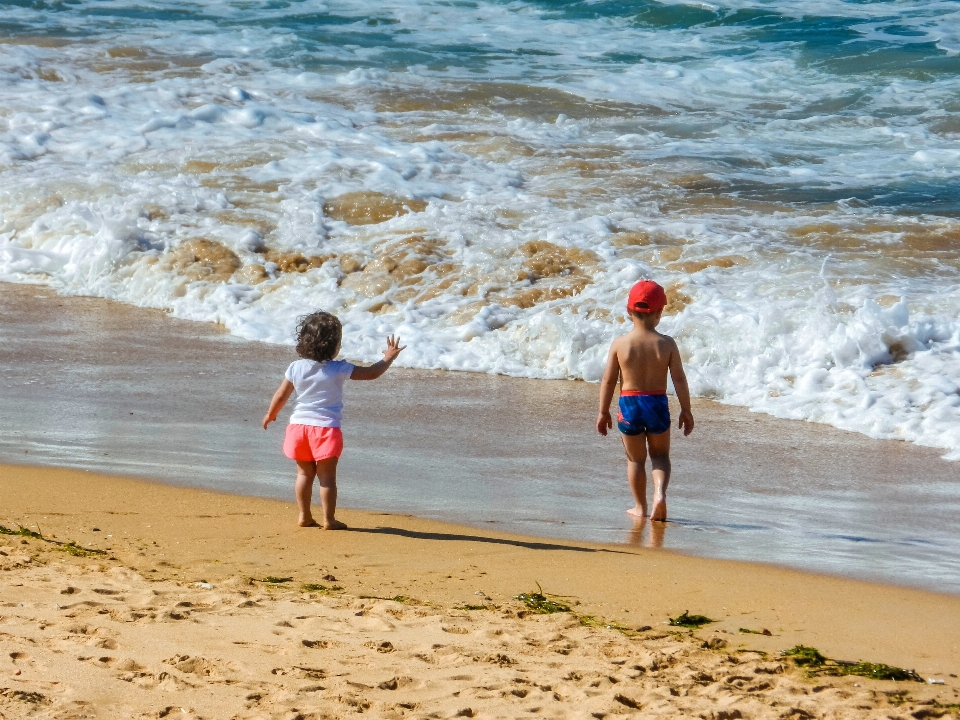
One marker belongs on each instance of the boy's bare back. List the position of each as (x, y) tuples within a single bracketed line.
[(644, 357)]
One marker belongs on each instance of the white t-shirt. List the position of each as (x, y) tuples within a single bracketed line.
[(319, 388)]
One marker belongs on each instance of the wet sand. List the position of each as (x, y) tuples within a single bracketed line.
[(176, 616), (92, 384)]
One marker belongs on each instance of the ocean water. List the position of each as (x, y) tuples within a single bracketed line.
[(487, 179)]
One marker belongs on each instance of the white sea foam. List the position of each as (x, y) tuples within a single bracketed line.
[(726, 176)]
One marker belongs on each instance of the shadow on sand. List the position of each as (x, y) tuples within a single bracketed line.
[(413, 534)]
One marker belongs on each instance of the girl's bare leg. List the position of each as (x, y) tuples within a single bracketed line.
[(306, 472), (660, 459), (636, 448), (327, 475)]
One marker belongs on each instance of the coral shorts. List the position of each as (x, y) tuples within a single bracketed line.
[(308, 443)]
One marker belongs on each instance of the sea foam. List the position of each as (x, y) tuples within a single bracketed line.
[(488, 182)]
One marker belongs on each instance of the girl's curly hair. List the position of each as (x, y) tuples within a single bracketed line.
[(318, 335)]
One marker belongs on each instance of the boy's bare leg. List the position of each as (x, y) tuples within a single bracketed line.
[(660, 460), (636, 448), (327, 476), (306, 472)]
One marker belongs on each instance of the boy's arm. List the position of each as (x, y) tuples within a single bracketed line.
[(280, 398), (607, 386), (374, 371), (679, 378)]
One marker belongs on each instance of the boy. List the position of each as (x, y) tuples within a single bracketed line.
[(640, 360)]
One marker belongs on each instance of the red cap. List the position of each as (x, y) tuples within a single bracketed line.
[(646, 297)]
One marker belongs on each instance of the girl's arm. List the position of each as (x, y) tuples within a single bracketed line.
[(607, 387), (280, 398), (379, 368)]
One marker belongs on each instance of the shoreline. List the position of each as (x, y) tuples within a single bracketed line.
[(216, 603), (645, 537), (515, 455), (67, 504)]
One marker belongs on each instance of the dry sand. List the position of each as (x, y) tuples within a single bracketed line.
[(174, 620)]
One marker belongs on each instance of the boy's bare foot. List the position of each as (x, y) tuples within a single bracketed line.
[(335, 525), (659, 510), (637, 512), (309, 522)]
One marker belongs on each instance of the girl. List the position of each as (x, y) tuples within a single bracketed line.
[(313, 436)]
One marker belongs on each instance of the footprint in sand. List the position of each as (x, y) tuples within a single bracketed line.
[(22, 660), (25, 697), (301, 672), (106, 591), (365, 623), (156, 681), (199, 666), (127, 665), (384, 646), (91, 636)]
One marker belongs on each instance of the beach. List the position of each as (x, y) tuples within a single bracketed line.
[(181, 182), (199, 604), (98, 385), (141, 599)]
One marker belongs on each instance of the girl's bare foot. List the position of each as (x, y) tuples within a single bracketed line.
[(308, 522), (659, 510), (637, 512), (335, 525)]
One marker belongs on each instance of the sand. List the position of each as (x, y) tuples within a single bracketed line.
[(174, 619)]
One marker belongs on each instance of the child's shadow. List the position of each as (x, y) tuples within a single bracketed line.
[(528, 544), (654, 540)]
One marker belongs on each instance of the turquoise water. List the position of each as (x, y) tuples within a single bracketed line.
[(488, 178)]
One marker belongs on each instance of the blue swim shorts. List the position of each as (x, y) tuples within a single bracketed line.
[(643, 413)]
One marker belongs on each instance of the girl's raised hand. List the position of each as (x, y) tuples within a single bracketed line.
[(393, 349)]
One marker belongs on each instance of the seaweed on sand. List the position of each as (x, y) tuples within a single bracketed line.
[(22, 532), (402, 599), (818, 664), (316, 587), (78, 551), (69, 547), (805, 656), (876, 671), (271, 580), (690, 621), (593, 621), (540, 603)]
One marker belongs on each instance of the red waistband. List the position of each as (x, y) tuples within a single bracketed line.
[(638, 393)]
